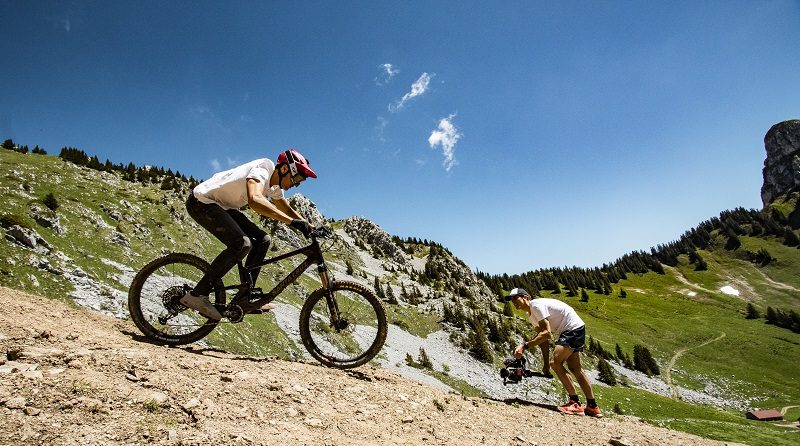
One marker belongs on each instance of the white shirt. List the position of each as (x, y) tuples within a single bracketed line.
[(560, 315), (229, 188)]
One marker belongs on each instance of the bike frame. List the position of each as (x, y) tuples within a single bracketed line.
[(313, 255)]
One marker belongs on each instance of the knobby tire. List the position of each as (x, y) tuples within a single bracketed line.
[(367, 312), (194, 265)]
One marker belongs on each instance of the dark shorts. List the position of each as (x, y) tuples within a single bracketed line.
[(574, 339)]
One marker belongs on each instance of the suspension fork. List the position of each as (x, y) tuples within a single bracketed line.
[(333, 306)]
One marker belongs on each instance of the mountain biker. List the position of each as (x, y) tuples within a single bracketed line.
[(215, 204), (553, 316)]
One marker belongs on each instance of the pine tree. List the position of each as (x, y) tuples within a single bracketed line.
[(50, 201), (643, 361), (606, 373), (390, 295), (733, 242), (584, 295), (752, 312), (622, 293), (652, 365), (639, 360), (379, 289), (790, 237), (772, 316), (479, 346), (424, 360)]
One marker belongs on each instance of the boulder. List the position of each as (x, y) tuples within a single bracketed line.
[(46, 218), (28, 238)]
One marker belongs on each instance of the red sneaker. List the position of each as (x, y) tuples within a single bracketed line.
[(593, 411), (571, 408)]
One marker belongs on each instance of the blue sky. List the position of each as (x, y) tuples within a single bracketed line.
[(520, 135)]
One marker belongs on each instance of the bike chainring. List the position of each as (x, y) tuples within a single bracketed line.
[(234, 313)]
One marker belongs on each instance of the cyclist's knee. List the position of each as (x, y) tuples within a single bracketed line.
[(263, 242), (242, 247)]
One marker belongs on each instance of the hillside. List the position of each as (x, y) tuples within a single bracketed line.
[(715, 363), (74, 377)]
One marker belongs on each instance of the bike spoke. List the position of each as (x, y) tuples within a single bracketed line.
[(156, 299), (349, 340)]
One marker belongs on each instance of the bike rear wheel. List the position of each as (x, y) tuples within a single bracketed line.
[(351, 340), (154, 300)]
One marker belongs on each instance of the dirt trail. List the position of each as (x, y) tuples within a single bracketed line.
[(776, 284), (74, 377), (679, 275), (674, 359), (786, 409)]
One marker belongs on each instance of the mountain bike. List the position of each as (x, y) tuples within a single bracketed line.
[(342, 324)]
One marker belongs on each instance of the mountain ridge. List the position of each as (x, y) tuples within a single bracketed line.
[(110, 226)]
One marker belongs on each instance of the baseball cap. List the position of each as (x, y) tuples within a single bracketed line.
[(514, 293)]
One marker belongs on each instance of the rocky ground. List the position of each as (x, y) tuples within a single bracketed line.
[(69, 376)]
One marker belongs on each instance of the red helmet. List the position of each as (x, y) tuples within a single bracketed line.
[(297, 163)]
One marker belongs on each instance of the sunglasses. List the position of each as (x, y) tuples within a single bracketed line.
[(297, 179)]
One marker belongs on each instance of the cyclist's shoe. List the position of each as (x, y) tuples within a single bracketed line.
[(593, 411), (201, 304), (571, 408)]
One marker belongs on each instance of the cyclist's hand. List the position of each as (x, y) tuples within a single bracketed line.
[(302, 226)]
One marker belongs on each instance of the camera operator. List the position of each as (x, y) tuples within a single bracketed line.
[(553, 316)]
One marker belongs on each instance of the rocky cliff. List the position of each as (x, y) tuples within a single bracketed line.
[(782, 166)]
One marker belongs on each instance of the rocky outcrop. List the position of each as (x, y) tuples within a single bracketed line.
[(46, 218), (383, 246), (28, 238), (782, 166), (457, 276), (307, 209)]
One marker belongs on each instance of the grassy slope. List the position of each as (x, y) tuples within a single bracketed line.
[(753, 359), (80, 192)]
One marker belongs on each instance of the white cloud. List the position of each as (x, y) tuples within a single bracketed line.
[(446, 136), (388, 71), (418, 88), (215, 165)]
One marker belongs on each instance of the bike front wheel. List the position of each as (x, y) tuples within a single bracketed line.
[(344, 326), (154, 300)]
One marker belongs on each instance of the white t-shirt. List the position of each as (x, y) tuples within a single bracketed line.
[(560, 315), (229, 188)]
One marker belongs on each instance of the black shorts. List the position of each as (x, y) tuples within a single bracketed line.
[(574, 339)]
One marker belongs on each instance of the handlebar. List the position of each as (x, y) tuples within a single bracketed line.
[(321, 232)]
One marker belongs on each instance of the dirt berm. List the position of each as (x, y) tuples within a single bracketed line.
[(69, 376)]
